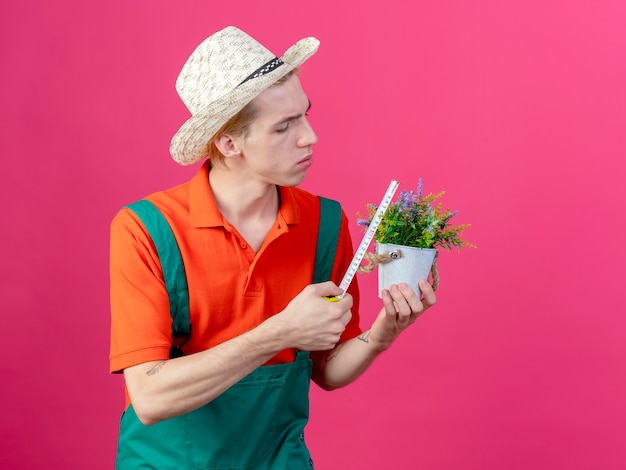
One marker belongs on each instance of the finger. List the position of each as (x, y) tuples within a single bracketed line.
[(404, 310), (326, 289), (412, 298), (388, 304), (429, 294), (345, 319), (332, 288), (340, 305), (347, 301)]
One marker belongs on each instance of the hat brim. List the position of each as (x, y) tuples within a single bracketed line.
[(189, 144)]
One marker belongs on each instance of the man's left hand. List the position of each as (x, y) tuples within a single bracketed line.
[(401, 307)]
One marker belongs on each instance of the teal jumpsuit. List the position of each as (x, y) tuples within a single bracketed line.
[(259, 422)]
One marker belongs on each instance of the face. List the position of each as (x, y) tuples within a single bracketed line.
[(278, 146)]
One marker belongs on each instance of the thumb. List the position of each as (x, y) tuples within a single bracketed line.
[(328, 289)]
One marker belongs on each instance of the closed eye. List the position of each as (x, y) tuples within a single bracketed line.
[(284, 124), (284, 128)]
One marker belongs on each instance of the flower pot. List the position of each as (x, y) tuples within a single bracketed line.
[(413, 264)]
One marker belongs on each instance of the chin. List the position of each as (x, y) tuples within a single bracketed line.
[(299, 180), (294, 180)]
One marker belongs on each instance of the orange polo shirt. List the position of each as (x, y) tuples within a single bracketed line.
[(232, 289)]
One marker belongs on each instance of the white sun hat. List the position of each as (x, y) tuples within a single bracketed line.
[(225, 72)]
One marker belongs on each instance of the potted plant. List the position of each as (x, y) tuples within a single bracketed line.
[(408, 237)]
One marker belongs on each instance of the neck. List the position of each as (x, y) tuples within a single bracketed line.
[(244, 202)]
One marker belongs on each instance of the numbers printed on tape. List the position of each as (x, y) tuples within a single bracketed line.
[(367, 239)]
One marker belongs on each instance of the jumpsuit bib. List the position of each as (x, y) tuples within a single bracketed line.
[(258, 423)]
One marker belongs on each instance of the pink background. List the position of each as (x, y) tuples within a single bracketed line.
[(517, 109)]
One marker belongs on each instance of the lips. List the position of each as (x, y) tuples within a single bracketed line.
[(307, 161)]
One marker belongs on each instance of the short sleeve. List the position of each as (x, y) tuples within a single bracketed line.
[(141, 326)]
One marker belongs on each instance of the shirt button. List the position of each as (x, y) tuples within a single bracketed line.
[(311, 462), (243, 245), (301, 437)]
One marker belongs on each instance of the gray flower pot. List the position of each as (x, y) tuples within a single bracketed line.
[(413, 265)]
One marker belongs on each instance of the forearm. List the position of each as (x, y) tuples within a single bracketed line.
[(164, 389), (345, 363)]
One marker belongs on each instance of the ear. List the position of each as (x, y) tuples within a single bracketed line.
[(228, 146)]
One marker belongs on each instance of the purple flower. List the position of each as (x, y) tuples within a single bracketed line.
[(406, 200), (450, 216), (420, 185)]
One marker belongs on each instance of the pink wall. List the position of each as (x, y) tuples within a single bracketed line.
[(517, 109)]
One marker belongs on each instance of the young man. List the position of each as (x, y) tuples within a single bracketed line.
[(222, 380)]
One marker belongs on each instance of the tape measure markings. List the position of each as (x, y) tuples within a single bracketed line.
[(368, 237)]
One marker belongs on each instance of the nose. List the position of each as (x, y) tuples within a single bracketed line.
[(308, 136)]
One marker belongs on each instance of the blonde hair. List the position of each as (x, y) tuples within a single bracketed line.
[(239, 124)]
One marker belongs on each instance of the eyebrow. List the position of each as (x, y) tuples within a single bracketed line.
[(291, 118)]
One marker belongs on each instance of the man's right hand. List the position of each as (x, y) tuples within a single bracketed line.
[(312, 323)]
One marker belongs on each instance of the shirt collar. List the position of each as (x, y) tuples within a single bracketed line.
[(203, 211)]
